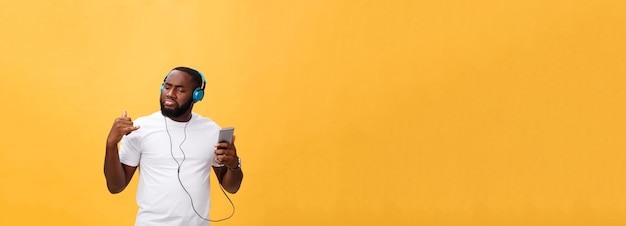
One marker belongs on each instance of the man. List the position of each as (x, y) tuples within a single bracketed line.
[(174, 150)]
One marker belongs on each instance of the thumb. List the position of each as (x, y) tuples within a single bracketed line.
[(124, 114)]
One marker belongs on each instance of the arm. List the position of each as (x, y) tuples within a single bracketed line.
[(117, 174), (230, 175), (230, 179)]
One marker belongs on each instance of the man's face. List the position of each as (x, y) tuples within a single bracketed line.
[(176, 97)]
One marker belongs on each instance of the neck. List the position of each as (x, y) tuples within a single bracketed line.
[(183, 118)]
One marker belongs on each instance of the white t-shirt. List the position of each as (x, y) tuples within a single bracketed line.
[(158, 147)]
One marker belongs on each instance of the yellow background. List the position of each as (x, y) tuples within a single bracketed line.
[(346, 112)]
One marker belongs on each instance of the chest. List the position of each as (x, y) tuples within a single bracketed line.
[(169, 147)]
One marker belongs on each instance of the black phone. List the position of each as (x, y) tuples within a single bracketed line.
[(226, 135)]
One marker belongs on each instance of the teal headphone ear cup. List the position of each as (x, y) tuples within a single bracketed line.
[(198, 94)]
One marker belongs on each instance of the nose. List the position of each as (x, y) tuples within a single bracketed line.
[(170, 93)]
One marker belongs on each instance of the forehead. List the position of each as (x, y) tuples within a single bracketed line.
[(179, 78)]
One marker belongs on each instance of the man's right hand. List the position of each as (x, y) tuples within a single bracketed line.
[(121, 126)]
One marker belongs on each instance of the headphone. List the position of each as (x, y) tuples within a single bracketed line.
[(198, 93)]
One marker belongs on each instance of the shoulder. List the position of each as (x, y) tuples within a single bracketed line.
[(201, 120), (148, 121), (157, 116)]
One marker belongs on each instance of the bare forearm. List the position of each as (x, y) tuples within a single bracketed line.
[(113, 170), (231, 179)]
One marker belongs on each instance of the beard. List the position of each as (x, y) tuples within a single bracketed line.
[(177, 111)]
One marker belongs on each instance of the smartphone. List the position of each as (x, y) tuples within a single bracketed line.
[(226, 135)]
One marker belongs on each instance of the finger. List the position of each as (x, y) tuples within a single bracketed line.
[(133, 128), (221, 145), (121, 123), (124, 114), (220, 151), (129, 130), (232, 145), (124, 120), (219, 159)]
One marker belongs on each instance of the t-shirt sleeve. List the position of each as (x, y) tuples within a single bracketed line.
[(130, 151)]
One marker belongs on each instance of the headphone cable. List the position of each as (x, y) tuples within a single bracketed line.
[(180, 164)]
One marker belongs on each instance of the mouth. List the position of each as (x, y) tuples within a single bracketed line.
[(170, 103)]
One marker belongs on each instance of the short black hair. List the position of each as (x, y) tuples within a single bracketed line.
[(197, 77)]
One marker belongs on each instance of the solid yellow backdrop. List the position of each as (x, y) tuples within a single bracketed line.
[(346, 112)]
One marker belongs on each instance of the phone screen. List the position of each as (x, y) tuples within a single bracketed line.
[(226, 134)]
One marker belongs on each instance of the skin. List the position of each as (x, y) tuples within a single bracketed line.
[(177, 89)]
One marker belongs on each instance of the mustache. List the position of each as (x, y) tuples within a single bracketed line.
[(166, 99)]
